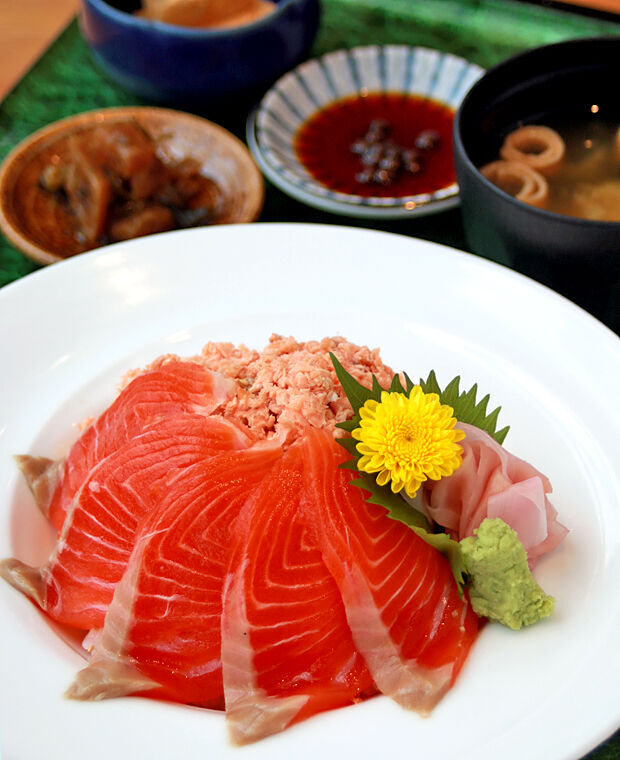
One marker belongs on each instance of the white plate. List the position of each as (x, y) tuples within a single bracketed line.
[(68, 332), (317, 83)]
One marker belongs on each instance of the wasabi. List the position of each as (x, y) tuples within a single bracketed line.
[(501, 586)]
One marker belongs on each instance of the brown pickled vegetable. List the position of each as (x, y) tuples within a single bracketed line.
[(114, 186)]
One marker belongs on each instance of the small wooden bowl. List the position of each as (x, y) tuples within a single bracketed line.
[(25, 216)]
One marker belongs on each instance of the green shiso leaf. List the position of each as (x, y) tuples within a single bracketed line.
[(466, 407), (397, 387), (349, 444), (451, 550), (357, 394), (397, 507), (348, 425), (431, 385)]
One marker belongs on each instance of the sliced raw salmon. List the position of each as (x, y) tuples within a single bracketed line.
[(77, 583), (162, 629), (287, 651), (399, 594), (176, 386)]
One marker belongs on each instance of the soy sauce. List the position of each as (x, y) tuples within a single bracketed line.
[(324, 143)]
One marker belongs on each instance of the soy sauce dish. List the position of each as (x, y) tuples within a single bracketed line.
[(365, 132)]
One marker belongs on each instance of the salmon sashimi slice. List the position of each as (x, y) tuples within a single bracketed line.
[(399, 594), (77, 583), (176, 386), (287, 651), (162, 631)]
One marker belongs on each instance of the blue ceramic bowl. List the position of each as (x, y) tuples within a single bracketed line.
[(173, 64)]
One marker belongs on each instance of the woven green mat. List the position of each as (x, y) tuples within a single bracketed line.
[(66, 81)]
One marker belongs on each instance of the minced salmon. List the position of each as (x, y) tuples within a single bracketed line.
[(289, 385)]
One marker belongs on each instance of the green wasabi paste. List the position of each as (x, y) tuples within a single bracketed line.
[(501, 586)]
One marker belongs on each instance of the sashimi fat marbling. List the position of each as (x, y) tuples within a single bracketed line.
[(212, 550)]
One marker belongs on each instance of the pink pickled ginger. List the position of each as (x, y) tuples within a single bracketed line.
[(492, 482)]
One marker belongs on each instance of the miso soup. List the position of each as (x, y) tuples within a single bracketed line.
[(586, 181)]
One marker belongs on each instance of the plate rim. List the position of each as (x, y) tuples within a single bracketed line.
[(337, 206), (91, 260), (341, 203)]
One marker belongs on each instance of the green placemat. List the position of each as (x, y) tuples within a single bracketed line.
[(66, 81)]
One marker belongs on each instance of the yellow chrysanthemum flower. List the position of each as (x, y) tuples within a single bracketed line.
[(408, 439)]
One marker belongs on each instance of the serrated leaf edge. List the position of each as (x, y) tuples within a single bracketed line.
[(466, 409)]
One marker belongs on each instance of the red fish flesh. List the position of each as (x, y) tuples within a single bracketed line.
[(77, 583), (162, 629), (176, 386), (287, 650), (399, 594)]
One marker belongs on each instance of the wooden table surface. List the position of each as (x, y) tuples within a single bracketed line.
[(27, 27)]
